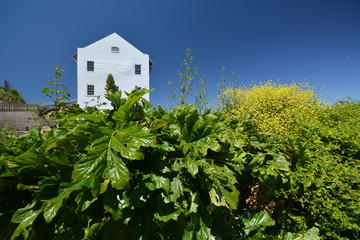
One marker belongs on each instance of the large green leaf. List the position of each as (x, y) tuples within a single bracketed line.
[(189, 232), (311, 234), (224, 188), (133, 98), (91, 167), (160, 182), (28, 159), (177, 189), (197, 229), (257, 222), (280, 162), (171, 216), (25, 217), (192, 166), (217, 198), (51, 206), (128, 140), (94, 231), (116, 171), (204, 232)]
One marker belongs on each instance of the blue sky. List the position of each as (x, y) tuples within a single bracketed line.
[(317, 41)]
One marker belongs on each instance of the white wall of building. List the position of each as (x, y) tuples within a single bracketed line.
[(121, 65)]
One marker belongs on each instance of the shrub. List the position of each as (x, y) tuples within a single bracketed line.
[(135, 172), (275, 108)]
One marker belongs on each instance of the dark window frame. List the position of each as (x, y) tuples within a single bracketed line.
[(90, 91), (90, 66), (137, 69)]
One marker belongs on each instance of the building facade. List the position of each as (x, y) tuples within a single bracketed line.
[(110, 55)]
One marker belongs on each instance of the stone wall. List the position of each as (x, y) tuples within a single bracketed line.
[(19, 117)]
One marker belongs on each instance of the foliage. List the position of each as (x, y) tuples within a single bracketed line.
[(202, 98), (135, 172), (110, 83), (126, 173), (326, 178), (188, 76), (58, 92), (10, 95), (274, 107)]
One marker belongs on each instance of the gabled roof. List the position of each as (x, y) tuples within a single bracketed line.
[(75, 55)]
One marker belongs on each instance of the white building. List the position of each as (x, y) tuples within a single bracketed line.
[(112, 54)]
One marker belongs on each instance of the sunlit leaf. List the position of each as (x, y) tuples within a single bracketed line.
[(25, 217), (176, 189), (259, 220), (128, 139), (116, 171)]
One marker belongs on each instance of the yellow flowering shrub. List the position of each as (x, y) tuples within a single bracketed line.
[(275, 108)]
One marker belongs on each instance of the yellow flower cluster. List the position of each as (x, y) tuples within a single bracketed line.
[(275, 108)]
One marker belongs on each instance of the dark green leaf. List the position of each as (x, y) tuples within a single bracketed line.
[(83, 200), (114, 202), (50, 207)]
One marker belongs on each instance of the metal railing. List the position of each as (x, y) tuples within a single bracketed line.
[(49, 104)]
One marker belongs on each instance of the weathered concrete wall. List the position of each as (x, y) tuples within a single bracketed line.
[(19, 120)]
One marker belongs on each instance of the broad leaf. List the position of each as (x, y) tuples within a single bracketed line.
[(204, 233), (94, 231), (161, 182), (257, 222), (176, 189), (129, 139), (25, 217), (50, 207), (311, 234), (28, 159), (116, 171), (217, 198), (171, 216), (91, 167)]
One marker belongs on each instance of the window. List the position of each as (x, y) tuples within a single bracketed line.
[(90, 66), (115, 50), (137, 88), (90, 90), (137, 69)]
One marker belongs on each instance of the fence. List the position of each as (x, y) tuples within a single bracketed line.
[(5, 107)]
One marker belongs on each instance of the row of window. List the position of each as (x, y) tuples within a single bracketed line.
[(91, 67), (91, 89)]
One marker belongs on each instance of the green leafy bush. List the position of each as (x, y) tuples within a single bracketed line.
[(136, 172)]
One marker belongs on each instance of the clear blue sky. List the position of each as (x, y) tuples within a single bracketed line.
[(316, 40)]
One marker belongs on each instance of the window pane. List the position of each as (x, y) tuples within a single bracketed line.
[(137, 69), (90, 66), (90, 90), (115, 50)]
